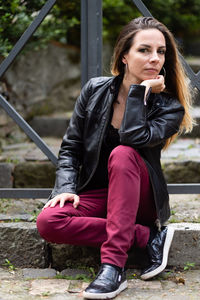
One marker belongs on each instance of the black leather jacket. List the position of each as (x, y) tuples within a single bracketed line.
[(144, 127)]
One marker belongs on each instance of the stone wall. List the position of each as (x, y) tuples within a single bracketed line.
[(42, 82)]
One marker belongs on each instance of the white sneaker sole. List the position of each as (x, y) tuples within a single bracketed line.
[(122, 287), (168, 241)]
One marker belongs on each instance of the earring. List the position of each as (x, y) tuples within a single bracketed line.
[(125, 67), (164, 72)]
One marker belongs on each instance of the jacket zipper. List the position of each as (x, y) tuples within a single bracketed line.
[(100, 143)]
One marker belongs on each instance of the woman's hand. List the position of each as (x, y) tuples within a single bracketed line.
[(62, 198), (157, 85)]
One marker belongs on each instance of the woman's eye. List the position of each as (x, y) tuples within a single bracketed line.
[(143, 50), (162, 52)]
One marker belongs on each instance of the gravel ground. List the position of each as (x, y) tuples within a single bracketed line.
[(23, 284)]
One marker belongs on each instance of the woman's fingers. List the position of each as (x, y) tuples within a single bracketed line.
[(49, 203), (76, 201), (62, 198), (54, 201)]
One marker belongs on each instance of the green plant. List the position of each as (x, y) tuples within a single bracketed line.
[(17, 15), (173, 212), (92, 272), (45, 294), (16, 220), (5, 204), (188, 266), (63, 22), (82, 277), (9, 265), (34, 214), (12, 160), (173, 220), (133, 276)]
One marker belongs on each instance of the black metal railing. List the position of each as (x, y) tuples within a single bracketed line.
[(91, 66)]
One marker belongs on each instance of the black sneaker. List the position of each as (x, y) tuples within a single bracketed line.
[(158, 250), (108, 283)]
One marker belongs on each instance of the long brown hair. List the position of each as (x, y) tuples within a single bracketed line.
[(175, 79)]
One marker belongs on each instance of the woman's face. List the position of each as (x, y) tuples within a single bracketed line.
[(146, 56)]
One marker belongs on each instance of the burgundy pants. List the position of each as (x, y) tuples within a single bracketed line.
[(113, 219)]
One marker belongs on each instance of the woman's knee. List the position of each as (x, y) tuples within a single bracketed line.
[(121, 156), (42, 223), (45, 226)]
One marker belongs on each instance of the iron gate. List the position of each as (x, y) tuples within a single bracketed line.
[(91, 66)]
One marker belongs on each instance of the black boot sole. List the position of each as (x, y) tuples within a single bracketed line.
[(110, 295), (167, 244)]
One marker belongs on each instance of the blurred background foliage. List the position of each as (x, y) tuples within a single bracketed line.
[(63, 22)]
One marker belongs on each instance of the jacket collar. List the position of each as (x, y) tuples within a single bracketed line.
[(115, 84)]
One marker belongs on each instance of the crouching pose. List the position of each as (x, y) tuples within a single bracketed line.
[(110, 191)]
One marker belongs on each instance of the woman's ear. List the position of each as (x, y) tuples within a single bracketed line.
[(124, 60)]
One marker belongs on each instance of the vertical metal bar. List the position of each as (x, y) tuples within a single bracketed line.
[(142, 8), (26, 36), (84, 42), (91, 39), (27, 129)]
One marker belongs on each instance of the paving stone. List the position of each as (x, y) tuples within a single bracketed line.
[(140, 284), (31, 273), (192, 277), (6, 274), (49, 286), (14, 286), (75, 272), (19, 288), (75, 286)]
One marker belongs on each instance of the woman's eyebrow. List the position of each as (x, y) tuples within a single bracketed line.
[(148, 46)]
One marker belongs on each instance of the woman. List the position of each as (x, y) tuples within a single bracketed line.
[(110, 191)]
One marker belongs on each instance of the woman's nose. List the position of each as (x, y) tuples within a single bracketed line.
[(154, 57)]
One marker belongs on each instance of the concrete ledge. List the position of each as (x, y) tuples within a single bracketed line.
[(186, 245), (185, 248), (23, 247)]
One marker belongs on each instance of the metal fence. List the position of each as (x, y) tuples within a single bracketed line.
[(91, 66)]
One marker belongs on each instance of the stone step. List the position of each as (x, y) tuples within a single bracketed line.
[(181, 161), (56, 125), (23, 247), (25, 166)]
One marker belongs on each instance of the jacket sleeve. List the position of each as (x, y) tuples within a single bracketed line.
[(141, 128), (70, 154)]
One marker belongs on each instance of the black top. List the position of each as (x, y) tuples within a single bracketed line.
[(100, 178)]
